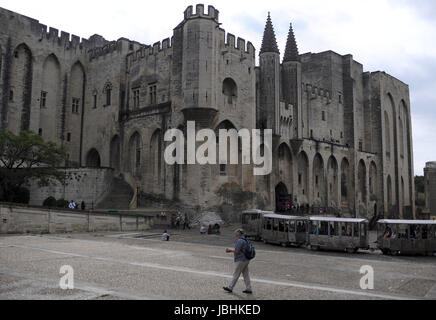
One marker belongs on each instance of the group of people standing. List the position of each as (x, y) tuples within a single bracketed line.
[(178, 221), (73, 205)]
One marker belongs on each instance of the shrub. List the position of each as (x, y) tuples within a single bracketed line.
[(420, 200), (62, 203), (22, 196), (50, 202)]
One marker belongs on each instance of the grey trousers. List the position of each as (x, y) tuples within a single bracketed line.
[(241, 268)]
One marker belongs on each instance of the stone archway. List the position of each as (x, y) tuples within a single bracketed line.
[(346, 190), (93, 159), (135, 154), (389, 194), (303, 178), (283, 198), (19, 93), (361, 185), (114, 153), (332, 182), (319, 191)]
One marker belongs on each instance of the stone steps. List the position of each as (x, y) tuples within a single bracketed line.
[(119, 198)]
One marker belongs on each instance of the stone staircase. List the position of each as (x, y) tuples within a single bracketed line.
[(119, 198)]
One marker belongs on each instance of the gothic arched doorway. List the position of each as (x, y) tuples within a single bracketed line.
[(283, 198), (93, 159)]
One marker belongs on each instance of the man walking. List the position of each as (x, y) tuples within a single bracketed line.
[(241, 262)]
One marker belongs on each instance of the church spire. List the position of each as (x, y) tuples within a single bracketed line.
[(291, 52), (269, 42)]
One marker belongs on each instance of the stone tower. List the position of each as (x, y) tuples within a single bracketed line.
[(291, 82), (199, 58), (268, 117), (430, 188)]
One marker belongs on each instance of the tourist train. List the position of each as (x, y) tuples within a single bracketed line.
[(394, 237)]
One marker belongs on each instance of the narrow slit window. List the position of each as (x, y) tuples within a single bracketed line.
[(43, 100)]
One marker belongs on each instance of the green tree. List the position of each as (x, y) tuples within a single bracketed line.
[(27, 157), (419, 184)]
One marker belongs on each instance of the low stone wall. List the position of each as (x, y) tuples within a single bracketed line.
[(91, 185), (21, 219)]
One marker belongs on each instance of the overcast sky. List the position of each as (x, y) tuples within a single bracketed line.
[(396, 36)]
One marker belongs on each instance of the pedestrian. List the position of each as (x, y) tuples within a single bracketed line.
[(203, 230), (186, 223), (72, 205), (241, 262), (178, 222), (165, 236)]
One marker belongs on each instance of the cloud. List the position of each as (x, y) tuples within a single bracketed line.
[(396, 36)]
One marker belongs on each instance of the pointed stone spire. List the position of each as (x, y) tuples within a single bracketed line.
[(291, 52), (269, 42)]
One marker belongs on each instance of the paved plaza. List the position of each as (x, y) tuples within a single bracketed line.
[(195, 267)]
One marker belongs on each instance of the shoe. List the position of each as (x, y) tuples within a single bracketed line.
[(248, 292), (228, 289)]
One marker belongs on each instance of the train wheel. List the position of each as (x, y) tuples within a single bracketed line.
[(314, 248), (385, 251), (264, 241), (284, 244), (349, 250)]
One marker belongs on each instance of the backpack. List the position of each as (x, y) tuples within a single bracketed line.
[(250, 251)]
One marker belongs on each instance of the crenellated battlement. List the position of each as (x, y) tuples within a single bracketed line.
[(236, 45), (106, 49), (63, 39), (200, 13), (42, 32), (314, 93), (121, 47), (146, 51)]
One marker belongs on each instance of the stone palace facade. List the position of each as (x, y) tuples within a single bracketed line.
[(342, 137)]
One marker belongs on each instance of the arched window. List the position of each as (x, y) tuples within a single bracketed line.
[(108, 91), (94, 99), (230, 89), (345, 182), (134, 155), (387, 135)]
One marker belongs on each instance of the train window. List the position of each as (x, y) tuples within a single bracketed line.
[(415, 232), (324, 229), (275, 226), (292, 226), (424, 233), (346, 230), (356, 231), (314, 228), (300, 227), (432, 232), (304, 226), (268, 225), (333, 229), (281, 226)]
